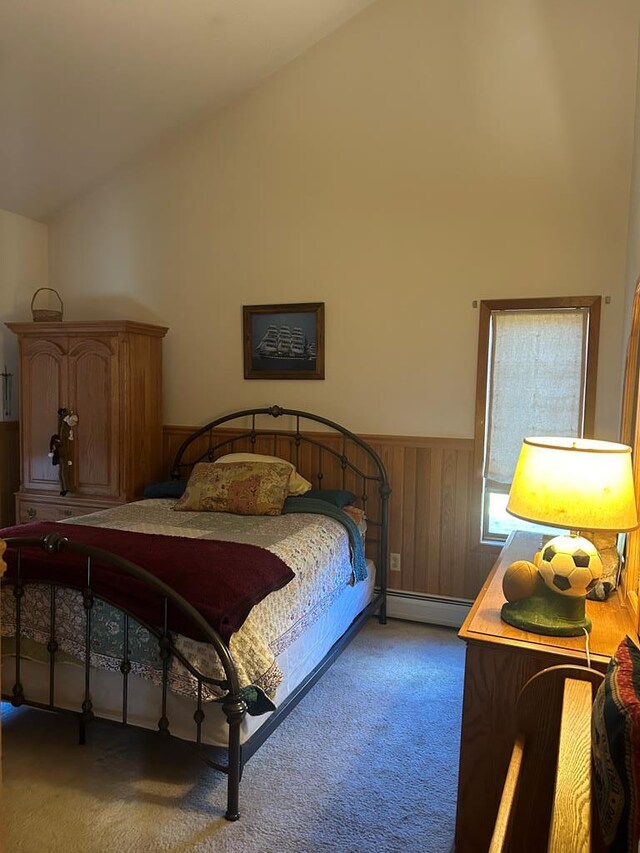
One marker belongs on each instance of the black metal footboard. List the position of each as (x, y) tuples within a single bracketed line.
[(233, 704)]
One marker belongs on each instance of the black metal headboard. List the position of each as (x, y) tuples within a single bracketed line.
[(332, 458)]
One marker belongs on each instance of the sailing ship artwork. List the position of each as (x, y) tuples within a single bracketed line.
[(287, 344), (284, 344)]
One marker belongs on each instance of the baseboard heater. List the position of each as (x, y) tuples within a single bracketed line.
[(432, 609)]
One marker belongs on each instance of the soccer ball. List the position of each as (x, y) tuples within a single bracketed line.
[(570, 565)]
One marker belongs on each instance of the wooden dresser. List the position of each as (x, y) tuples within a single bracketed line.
[(110, 374), (500, 659), (3, 567)]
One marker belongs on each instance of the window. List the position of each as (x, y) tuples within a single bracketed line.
[(537, 361)]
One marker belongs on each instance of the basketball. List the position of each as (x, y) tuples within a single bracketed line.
[(519, 580)]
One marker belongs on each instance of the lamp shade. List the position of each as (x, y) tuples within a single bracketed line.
[(575, 484)]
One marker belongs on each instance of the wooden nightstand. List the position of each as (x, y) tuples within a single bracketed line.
[(499, 660)]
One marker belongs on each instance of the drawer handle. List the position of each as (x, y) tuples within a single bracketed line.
[(31, 512)]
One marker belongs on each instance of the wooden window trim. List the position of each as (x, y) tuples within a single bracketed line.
[(487, 306), (630, 434)]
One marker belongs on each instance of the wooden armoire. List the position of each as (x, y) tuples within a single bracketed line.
[(109, 373)]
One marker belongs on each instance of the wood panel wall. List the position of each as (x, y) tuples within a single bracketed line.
[(431, 520), (9, 470), (431, 524)]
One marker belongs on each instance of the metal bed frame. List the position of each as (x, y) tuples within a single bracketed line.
[(203, 445)]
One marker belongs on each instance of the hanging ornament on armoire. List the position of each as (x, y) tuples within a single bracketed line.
[(60, 448)]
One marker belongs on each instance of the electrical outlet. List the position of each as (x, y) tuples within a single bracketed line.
[(394, 564)]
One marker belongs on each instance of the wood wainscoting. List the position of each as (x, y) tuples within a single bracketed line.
[(431, 522), (9, 470)]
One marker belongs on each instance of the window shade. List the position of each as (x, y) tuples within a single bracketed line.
[(536, 382)]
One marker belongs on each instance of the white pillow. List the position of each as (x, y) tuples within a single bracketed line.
[(297, 483)]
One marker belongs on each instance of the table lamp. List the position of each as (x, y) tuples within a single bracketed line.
[(576, 484)]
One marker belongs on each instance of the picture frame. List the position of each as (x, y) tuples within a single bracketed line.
[(284, 341)]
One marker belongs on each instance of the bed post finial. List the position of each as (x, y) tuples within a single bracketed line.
[(54, 542)]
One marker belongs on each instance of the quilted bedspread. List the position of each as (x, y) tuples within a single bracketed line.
[(314, 549), (222, 580)]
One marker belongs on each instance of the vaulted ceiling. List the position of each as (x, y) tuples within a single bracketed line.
[(85, 85)]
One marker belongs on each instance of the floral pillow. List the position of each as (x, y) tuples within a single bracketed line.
[(297, 483), (243, 488)]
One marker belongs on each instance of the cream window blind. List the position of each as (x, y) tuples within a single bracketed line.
[(536, 382)]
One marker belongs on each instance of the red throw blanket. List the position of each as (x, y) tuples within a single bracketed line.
[(222, 580)]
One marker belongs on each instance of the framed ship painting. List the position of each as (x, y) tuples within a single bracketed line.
[(284, 341)]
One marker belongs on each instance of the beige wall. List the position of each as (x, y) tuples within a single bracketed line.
[(23, 269), (425, 155), (633, 242)]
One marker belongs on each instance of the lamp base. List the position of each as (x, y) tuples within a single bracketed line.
[(546, 612)]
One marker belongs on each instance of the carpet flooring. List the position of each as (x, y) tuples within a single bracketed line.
[(366, 762)]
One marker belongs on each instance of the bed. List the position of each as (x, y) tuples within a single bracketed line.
[(205, 626)]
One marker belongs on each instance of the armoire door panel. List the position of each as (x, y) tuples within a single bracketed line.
[(44, 389), (93, 395)]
